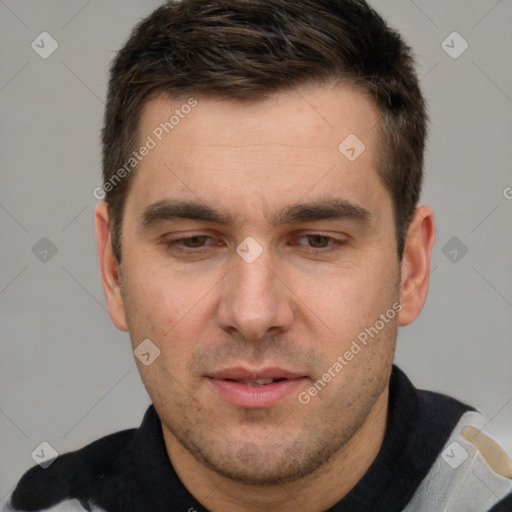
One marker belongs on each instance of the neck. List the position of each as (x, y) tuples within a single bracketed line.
[(318, 491)]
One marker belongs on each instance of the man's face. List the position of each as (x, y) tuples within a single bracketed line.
[(222, 317)]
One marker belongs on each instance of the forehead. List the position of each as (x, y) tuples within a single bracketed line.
[(281, 148), (306, 115)]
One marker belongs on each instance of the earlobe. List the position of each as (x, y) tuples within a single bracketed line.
[(109, 267), (416, 265)]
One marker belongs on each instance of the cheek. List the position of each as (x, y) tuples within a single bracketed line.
[(146, 298), (166, 306), (154, 290), (348, 299)]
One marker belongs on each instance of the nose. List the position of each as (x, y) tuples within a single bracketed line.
[(256, 301)]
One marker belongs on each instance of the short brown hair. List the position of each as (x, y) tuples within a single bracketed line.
[(247, 49)]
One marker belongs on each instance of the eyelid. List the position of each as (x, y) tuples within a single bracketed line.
[(313, 232), (170, 241), (333, 242), (176, 243)]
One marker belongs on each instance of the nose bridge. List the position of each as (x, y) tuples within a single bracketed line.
[(254, 282), (253, 299)]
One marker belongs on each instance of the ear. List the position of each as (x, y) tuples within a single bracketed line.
[(416, 265), (109, 267)]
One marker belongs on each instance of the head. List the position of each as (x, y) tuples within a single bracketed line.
[(245, 51), (242, 107)]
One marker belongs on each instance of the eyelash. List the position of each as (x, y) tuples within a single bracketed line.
[(334, 243)]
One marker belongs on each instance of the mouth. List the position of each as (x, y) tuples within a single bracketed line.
[(244, 388), (258, 382)]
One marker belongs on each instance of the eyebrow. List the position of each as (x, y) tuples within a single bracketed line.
[(320, 209)]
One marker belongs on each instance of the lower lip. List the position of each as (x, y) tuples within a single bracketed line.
[(256, 397)]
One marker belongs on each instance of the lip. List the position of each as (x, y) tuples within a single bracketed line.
[(240, 373), (255, 397)]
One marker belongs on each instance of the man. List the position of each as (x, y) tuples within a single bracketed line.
[(261, 241)]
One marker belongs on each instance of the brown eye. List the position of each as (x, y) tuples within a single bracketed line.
[(194, 241), (189, 243), (318, 241)]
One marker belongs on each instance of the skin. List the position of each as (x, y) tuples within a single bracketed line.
[(297, 306)]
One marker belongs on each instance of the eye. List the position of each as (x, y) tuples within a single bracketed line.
[(318, 241), (321, 242), (189, 243)]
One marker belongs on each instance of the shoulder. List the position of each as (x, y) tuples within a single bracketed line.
[(471, 472), (71, 479), (463, 463)]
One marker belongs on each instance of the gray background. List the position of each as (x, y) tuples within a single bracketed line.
[(68, 376)]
